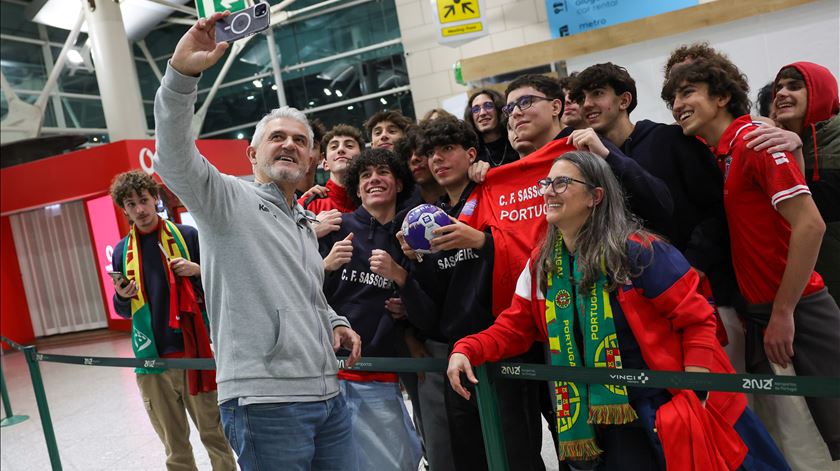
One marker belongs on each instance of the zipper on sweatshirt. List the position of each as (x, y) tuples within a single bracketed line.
[(313, 298)]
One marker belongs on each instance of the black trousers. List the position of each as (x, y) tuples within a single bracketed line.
[(816, 352), (519, 407)]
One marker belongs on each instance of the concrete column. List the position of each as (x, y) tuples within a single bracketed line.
[(115, 71)]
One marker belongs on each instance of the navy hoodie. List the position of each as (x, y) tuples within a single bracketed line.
[(697, 227), (356, 292)]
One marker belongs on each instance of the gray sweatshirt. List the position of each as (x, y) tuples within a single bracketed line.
[(269, 321)]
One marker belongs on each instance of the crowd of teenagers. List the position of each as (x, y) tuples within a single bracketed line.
[(579, 237)]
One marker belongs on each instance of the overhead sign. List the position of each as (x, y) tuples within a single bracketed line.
[(450, 11), (208, 7), (567, 17), (459, 21)]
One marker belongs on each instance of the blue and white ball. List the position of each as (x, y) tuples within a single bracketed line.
[(419, 224)]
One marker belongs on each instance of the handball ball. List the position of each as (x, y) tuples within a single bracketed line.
[(419, 224)]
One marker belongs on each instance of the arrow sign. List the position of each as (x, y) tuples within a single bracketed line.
[(453, 11)]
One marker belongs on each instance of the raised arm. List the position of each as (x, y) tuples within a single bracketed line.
[(177, 160)]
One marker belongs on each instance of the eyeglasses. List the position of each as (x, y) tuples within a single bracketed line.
[(559, 184), (524, 102), (486, 106)]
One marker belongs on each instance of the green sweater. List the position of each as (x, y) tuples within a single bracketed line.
[(826, 194)]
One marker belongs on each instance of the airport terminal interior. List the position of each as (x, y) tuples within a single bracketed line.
[(79, 80)]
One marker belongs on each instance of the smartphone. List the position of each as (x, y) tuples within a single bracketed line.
[(243, 23), (119, 279)]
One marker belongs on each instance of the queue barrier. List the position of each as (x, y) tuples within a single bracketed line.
[(811, 386)]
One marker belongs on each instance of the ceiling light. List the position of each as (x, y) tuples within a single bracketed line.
[(75, 57), (383, 101), (274, 87), (312, 103), (350, 107), (327, 92), (338, 93), (250, 97), (257, 83), (139, 17), (240, 136)]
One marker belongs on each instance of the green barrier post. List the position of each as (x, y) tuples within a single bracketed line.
[(491, 427), (43, 408), (10, 418)]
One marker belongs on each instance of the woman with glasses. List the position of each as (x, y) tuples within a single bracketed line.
[(604, 293), (484, 116)]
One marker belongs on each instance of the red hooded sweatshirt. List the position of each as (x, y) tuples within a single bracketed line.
[(823, 102)]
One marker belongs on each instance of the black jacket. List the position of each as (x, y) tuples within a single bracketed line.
[(647, 195), (698, 225), (449, 294)]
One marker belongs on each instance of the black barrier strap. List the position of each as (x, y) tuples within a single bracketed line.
[(813, 386), (174, 363)]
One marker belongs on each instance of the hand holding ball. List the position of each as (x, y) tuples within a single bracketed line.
[(419, 224)]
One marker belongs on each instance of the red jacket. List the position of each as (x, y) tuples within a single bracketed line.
[(337, 198), (673, 324)]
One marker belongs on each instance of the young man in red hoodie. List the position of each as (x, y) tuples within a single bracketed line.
[(806, 101), (775, 230)]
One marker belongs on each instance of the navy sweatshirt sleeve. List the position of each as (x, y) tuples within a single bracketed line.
[(648, 196)]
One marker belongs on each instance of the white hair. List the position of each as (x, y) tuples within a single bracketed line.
[(282, 112)]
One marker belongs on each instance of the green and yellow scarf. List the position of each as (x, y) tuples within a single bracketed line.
[(142, 335), (597, 403)]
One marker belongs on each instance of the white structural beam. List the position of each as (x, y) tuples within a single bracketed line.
[(116, 73)]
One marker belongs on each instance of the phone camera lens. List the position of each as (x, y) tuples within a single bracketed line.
[(260, 10)]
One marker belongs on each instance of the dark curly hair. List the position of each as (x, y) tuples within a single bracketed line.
[(604, 75), (548, 86), (410, 144), (133, 181), (690, 53), (376, 158), (445, 131), (723, 78), (344, 130), (498, 102), (393, 116), (318, 131), (566, 82)]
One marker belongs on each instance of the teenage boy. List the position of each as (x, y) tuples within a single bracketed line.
[(158, 329), (342, 144), (806, 103), (386, 128), (362, 261), (484, 116), (571, 117), (775, 231), (534, 106), (426, 189), (607, 94), (456, 298)]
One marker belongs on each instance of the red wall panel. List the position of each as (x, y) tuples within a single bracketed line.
[(15, 322)]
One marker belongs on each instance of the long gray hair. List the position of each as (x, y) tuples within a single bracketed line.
[(603, 235)]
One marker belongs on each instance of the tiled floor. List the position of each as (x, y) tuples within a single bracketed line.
[(97, 413)]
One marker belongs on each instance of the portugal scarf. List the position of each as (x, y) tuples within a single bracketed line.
[(580, 405), (142, 334)]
